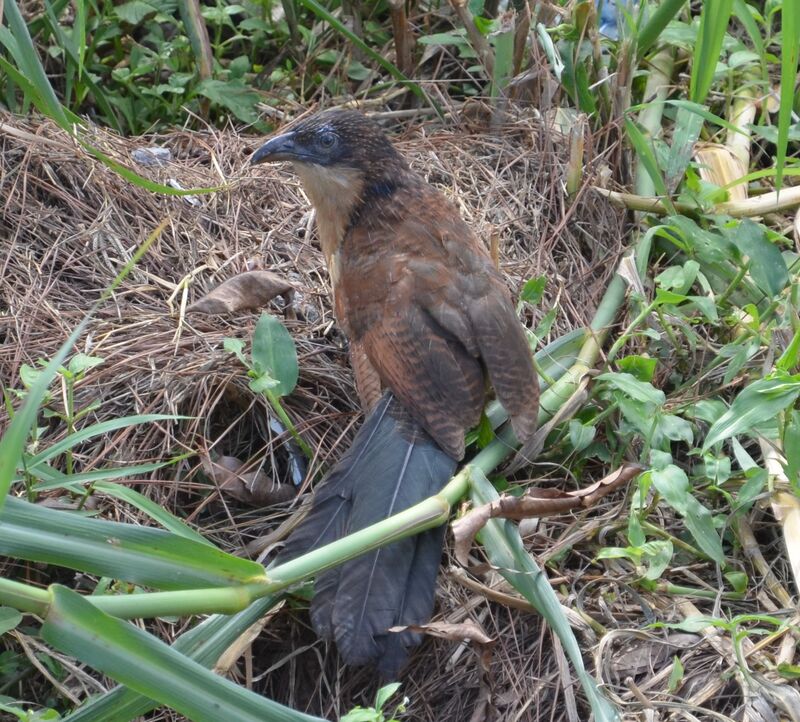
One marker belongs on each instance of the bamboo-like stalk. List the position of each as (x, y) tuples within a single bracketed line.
[(655, 93), (759, 206)]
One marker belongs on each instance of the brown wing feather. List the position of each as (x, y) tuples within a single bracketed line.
[(432, 315)]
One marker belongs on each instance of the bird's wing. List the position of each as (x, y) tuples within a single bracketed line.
[(434, 312)]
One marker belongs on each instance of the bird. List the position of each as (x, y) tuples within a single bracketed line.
[(430, 325)]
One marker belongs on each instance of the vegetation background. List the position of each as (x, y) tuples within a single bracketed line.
[(632, 166)]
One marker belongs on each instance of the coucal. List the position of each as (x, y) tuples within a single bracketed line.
[(430, 321)]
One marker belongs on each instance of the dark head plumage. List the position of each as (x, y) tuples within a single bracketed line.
[(334, 138)]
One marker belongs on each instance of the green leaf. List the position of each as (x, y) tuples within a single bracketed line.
[(580, 435), (791, 449), (81, 362), (641, 367), (644, 150), (169, 521), (204, 643), (767, 265), (323, 13), (9, 619), (663, 13), (676, 675), (384, 693), (142, 555), (790, 46), (533, 290), (673, 485), (234, 95), (236, 347), (89, 432), (145, 664), (760, 401), (714, 18), (135, 11), (633, 388), (13, 440), (274, 353), (688, 125)]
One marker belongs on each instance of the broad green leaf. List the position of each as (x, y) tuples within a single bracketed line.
[(644, 150), (580, 435), (135, 11), (148, 666), (767, 265), (760, 401), (688, 125), (9, 619), (641, 367), (533, 290), (791, 449), (204, 644), (234, 95), (632, 387), (673, 485), (142, 555), (274, 354)]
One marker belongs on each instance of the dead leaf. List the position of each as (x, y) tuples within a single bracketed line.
[(535, 503), (252, 289), (464, 632), (251, 487)]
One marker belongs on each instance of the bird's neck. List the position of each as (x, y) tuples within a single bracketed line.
[(335, 194)]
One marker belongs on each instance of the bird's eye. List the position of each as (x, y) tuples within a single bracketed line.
[(327, 139)]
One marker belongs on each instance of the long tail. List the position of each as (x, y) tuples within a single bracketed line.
[(392, 465)]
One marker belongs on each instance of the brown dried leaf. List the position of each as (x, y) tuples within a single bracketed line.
[(252, 289), (535, 503), (250, 487), (468, 631)]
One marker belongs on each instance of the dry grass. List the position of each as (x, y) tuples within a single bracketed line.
[(69, 224)]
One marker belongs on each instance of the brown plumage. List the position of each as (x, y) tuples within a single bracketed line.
[(429, 319)]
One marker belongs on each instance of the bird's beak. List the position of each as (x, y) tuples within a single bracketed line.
[(281, 147)]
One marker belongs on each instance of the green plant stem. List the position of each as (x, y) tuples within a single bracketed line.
[(275, 402), (658, 85)]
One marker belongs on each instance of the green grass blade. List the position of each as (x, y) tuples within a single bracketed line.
[(169, 521), (204, 644), (148, 666), (142, 555), (714, 19), (790, 35), (388, 66), (29, 64), (15, 437), (88, 432), (51, 478), (745, 17), (651, 31), (506, 552)]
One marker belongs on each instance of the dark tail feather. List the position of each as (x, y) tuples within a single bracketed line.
[(392, 465)]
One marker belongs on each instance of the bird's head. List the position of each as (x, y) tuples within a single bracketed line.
[(333, 139)]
